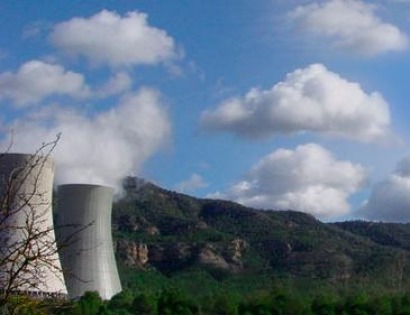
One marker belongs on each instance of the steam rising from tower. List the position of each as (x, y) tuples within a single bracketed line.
[(29, 258), (84, 212), (124, 141)]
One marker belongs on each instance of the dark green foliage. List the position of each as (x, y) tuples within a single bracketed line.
[(219, 303), (89, 304), (174, 302), (381, 305), (357, 304), (122, 300), (324, 305), (281, 243), (145, 304), (293, 264), (389, 234)]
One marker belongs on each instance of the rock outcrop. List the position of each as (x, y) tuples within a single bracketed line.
[(236, 251), (208, 255), (133, 253), (228, 256)]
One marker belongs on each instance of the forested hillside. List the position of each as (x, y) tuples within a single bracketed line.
[(167, 237), (180, 255)]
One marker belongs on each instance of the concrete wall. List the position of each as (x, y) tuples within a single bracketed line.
[(84, 217), (26, 185)]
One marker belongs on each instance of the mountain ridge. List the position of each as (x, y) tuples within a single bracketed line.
[(170, 232)]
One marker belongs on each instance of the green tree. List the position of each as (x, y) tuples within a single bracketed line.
[(121, 301), (226, 304), (175, 302), (357, 304), (324, 305), (381, 305), (89, 304), (145, 304)]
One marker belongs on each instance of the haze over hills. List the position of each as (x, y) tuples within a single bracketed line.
[(170, 234)]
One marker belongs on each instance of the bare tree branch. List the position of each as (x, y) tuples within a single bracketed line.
[(28, 249)]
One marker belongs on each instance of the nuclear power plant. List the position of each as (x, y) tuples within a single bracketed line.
[(84, 213), (26, 226), (80, 259)]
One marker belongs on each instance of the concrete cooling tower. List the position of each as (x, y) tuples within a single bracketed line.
[(26, 226), (84, 217)]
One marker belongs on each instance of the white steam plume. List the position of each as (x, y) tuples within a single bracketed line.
[(101, 149)]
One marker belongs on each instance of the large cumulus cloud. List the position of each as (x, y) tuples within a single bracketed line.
[(308, 178), (109, 38), (36, 80), (310, 99), (351, 25), (390, 199)]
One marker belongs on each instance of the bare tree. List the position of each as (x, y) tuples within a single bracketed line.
[(29, 261)]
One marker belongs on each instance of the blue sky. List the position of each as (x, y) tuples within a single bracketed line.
[(275, 104)]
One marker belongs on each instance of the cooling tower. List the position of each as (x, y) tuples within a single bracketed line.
[(84, 217), (28, 250)]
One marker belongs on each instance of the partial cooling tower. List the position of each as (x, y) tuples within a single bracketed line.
[(26, 226), (84, 218)]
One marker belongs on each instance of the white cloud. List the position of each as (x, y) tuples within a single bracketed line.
[(36, 80), (308, 179), (118, 83), (101, 149), (350, 24), (108, 38), (193, 183), (310, 99), (390, 199)]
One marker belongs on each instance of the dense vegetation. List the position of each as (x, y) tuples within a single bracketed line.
[(279, 244), (176, 302), (182, 255)]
